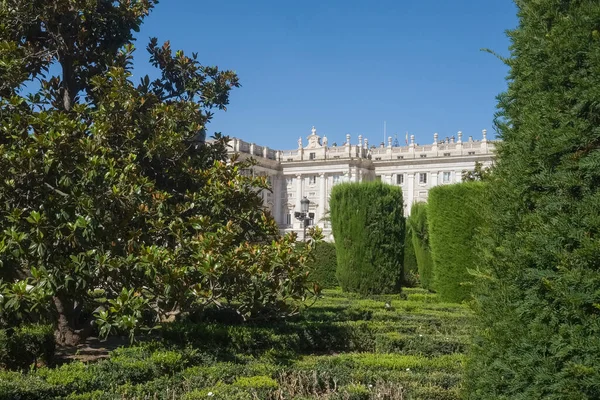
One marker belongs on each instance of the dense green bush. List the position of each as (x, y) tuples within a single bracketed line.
[(29, 344), (368, 226), (323, 265), (419, 229), (410, 268), (454, 216), (537, 295)]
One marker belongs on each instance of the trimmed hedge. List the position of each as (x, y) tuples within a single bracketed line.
[(30, 344), (454, 217), (417, 342), (368, 226), (420, 241), (323, 267), (410, 268)]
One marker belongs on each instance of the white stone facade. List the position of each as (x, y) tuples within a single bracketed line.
[(312, 170)]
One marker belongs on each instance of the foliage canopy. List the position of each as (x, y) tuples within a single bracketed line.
[(113, 208), (537, 295)]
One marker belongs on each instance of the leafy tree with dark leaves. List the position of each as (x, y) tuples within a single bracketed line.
[(113, 209)]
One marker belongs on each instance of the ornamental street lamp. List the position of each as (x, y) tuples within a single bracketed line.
[(303, 215)]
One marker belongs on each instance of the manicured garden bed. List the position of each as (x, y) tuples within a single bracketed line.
[(343, 347)]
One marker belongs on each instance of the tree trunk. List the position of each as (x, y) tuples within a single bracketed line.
[(66, 333), (68, 84)]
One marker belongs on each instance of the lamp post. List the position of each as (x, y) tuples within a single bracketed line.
[(303, 215)]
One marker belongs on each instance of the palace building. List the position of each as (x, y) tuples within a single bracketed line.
[(312, 170)]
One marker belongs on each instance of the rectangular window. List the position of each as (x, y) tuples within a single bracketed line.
[(312, 156), (288, 219), (446, 154), (312, 180), (290, 159), (399, 157), (337, 179), (471, 153), (446, 177), (423, 178), (399, 179), (423, 155), (377, 158)]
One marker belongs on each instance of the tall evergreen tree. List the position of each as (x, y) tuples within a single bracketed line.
[(368, 226), (538, 291)]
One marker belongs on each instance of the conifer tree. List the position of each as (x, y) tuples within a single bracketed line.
[(368, 226), (538, 287)]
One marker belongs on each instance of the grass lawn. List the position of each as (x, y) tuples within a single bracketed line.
[(343, 347)]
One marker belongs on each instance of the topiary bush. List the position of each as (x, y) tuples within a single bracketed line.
[(368, 226), (23, 346), (454, 216), (419, 229)]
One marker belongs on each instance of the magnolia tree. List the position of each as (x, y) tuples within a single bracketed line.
[(114, 212)]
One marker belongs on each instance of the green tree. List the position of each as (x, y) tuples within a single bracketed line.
[(417, 221), (410, 267), (113, 208), (537, 293), (368, 226), (454, 216), (479, 173)]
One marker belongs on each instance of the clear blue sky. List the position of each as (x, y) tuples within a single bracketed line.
[(345, 66)]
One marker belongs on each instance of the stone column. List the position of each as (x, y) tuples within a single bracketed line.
[(411, 190), (457, 176), (298, 208), (322, 196), (276, 186)]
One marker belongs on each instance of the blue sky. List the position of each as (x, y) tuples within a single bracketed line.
[(345, 66)]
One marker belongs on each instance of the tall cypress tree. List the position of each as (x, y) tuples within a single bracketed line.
[(368, 226), (538, 295)]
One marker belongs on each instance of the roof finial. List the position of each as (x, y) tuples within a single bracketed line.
[(314, 130)]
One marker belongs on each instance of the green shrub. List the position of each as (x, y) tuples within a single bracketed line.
[(420, 344), (16, 385), (324, 265), (411, 268), (537, 297), (454, 216), (368, 227), (30, 344), (355, 391), (260, 382), (420, 241)]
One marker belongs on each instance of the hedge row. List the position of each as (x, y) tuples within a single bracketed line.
[(454, 216), (23, 346), (332, 377), (420, 241), (368, 226), (316, 337)]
